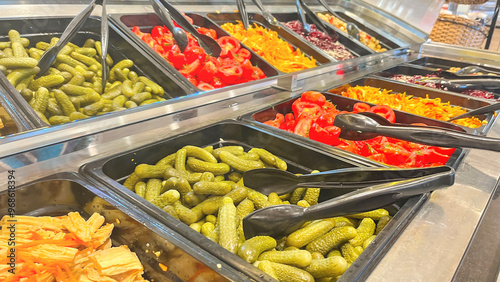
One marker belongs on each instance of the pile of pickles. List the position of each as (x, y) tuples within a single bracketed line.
[(72, 88), (204, 188)]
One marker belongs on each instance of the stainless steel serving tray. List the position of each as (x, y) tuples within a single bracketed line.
[(43, 29), (61, 193), (112, 171), (384, 41), (409, 69), (294, 39), (356, 47), (344, 104), (125, 22)]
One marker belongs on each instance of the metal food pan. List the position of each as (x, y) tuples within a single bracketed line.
[(346, 104), (300, 158), (146, 22), (462, 100), (382, 39), (445, 65), (419, 70), (295, 40), (62, 193), (43, 29), (356, 48), (13, 119)]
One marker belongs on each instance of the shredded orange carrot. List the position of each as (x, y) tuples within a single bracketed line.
[(273, 49), (427, 107)]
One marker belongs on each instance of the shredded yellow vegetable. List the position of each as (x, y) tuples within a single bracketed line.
[(273, 49), (431, 108)]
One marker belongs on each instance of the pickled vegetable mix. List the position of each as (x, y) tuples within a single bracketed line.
[(313, 117), (431, 108), (66, 248), (206, 72), (372, 42), (267, 44)]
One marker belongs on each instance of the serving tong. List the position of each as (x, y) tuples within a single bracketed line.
[(243, 13), (367, 125), (206, 42), (281, 220), (71, 30)]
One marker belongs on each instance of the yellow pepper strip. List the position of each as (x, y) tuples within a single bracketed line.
[(266, 43)]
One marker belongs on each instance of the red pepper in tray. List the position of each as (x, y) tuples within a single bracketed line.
[(313, 117), (206, 72)]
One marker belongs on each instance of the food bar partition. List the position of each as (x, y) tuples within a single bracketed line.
[(161, 148)]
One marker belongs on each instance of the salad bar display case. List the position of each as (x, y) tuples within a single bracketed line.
[(166, 152)]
